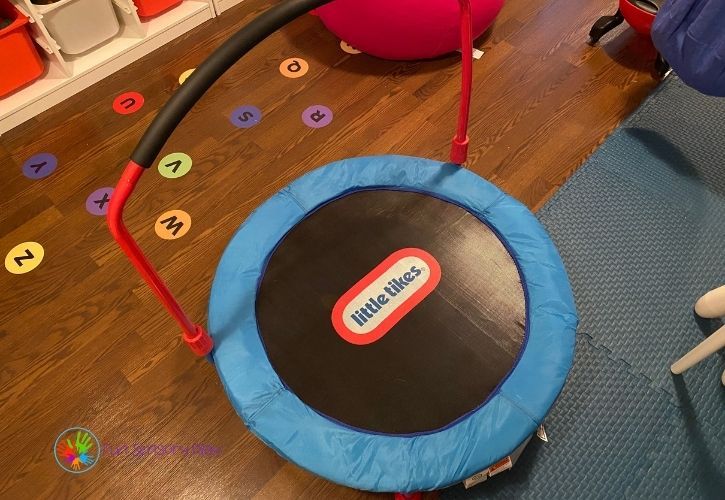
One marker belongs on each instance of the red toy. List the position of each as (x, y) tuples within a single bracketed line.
[(639, 14)]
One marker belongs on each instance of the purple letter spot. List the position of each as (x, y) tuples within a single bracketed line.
[(245, 116), (97, 202), (317, 116), (39, 166)]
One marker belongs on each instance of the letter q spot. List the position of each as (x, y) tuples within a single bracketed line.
[(375, 304), (294, 67)]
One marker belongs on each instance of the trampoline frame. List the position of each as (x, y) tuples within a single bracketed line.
[(400, 462), (519, 405)]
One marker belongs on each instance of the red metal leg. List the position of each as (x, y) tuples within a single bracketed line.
[(194, 335), (459, 146)]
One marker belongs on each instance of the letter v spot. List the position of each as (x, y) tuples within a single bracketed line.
[(175, 165), (172, 225)]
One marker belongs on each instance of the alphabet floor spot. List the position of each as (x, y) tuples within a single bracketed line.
[(39, 166), (175, 165), (127, 103), (173, 224), (317, 116), (97, 202), (294, 67), (186, 74), (348, 48), (24, 257), (245, 116)]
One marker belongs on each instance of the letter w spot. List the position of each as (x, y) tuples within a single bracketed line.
[(173, 225)]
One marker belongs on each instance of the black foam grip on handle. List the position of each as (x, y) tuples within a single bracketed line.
[(211, 70)]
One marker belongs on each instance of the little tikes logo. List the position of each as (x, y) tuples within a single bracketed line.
[(376, 303)]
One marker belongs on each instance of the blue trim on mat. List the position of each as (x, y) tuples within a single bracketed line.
[(366, 460)]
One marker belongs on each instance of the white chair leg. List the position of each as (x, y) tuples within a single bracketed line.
[(710, 345), (712, 304)]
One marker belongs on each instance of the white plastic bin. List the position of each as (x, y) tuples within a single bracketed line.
[(79, 25)]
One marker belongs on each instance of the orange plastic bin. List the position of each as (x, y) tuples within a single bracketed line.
[(147, 8), (20, 61)]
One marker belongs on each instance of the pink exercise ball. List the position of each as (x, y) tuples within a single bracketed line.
[(404, 29)]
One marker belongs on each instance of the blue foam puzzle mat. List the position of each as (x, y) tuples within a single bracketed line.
[(640, 228), (600, 440)]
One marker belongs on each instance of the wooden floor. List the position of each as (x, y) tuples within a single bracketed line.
[(83, 341)]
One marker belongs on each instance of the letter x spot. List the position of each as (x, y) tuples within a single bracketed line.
[(102, 202)]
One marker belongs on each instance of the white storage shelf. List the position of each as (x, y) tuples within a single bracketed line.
[(66, 74), (222, 5)]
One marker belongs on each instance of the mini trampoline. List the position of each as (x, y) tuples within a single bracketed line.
[(390, 323)]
